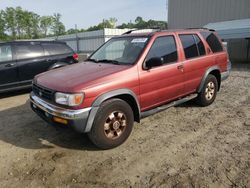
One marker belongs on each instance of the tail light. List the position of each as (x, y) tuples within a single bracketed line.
[(75, 56)]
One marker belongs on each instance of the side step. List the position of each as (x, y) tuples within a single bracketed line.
[(166, 106)]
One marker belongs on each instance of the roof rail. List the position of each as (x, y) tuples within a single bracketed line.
[(201, 28), (130, 31)]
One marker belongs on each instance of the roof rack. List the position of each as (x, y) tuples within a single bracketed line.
[(201, 28), (132, 30)]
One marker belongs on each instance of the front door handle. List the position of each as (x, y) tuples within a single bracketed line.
[(9, 65), (180, 67)]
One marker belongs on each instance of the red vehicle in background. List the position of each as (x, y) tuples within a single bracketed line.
[(131, 77)]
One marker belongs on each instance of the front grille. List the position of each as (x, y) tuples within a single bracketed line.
[(43, 92)]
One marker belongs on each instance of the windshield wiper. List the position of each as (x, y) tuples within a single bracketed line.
[(109, 61), (93, 60)]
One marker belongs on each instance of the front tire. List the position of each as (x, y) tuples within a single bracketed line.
[(112, 125), (208, 92)]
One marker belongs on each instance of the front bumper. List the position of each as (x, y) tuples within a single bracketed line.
[(76, 118)]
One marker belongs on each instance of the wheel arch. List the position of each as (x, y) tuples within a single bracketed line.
[(124, 94), (215, 70)]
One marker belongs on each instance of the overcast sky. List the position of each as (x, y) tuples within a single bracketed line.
[(87, 13)]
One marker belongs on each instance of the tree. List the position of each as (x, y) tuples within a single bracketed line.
[(9, 18), (45, 24), (138, 20), (34, 23), (58, 28), (2, 26), (142, 24), (21, 24), (112, 22)]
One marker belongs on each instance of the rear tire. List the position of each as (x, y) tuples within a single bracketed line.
[(208, 92), (112, 125)]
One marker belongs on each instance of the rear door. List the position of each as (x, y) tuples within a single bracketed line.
[(30, 60), (164, 83), (8, 67), (58, 52), (196, 62)]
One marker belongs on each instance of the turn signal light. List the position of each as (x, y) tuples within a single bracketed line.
[(60, 120)]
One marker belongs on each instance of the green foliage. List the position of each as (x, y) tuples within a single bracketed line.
[(45, 25), (16, 23), (2, 26), (110, 23), (57, 27), (142, 24)]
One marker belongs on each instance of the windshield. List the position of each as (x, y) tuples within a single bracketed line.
[(122, 50)]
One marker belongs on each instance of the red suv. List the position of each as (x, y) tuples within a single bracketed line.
[(131, 77)]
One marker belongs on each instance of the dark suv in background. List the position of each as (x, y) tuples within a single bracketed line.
[(20, 61)]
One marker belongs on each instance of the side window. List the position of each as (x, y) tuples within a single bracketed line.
[(189, 46), (200, 45), (212, 41), (25, 51), (164, 47), (5, 53), (56, 48)]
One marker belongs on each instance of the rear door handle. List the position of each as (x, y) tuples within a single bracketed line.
[(49, 60), (9, 65)]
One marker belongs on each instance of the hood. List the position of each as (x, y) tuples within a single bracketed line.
[(77, 76)]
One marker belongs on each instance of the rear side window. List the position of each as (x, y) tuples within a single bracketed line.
[(200, 45), (189, 45), (193, 46), (5, 53), (25, 51), (56, 48), (212, 41), (164, 47)]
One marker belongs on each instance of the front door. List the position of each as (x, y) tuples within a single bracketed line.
[(164, 83)]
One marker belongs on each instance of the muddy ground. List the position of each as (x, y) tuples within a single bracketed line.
[(185, 146)]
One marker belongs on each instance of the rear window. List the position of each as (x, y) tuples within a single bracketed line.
[(56, 48), (212, 41), (26, 51)]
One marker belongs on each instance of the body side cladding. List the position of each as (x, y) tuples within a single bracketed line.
[(119, 93), (208, 71)]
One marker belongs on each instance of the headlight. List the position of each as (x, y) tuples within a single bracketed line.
[(69, 99)]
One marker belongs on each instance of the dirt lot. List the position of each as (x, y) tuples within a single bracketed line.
[(185, 146)]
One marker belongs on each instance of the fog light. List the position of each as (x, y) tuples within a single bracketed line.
[(60, 120)]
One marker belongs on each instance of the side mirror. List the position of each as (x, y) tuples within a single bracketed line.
[(153, 62)]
